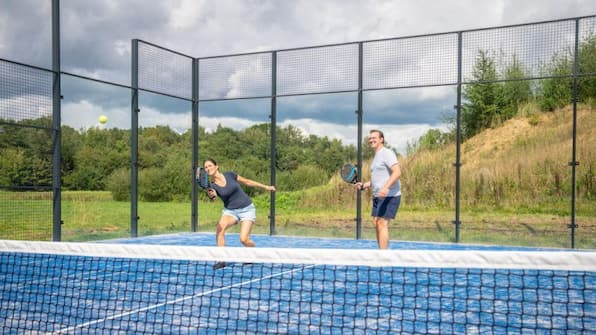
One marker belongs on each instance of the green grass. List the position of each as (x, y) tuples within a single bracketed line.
[(26, 215)]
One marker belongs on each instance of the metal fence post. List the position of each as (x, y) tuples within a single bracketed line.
[(359, 113), (56, 124), (273, 116), (134, 140), (574, 163), (457, 163), (194, 219)]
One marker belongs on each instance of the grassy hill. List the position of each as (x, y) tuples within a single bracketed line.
[(521, 165)]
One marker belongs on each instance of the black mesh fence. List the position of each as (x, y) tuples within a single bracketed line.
[(407, 62), (164, 71), (25, 152), (233, 77)]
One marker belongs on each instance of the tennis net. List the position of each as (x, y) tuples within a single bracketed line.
[(92, 288)]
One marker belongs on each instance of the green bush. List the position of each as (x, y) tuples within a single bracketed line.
[(118, 184), (154, 186), (303, 177)]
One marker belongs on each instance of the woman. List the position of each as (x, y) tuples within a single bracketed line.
[(238, 207)]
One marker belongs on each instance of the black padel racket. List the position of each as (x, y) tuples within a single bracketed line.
[(349, 173), (203, 179)]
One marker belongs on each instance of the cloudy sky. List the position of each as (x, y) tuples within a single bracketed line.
[(96, 42)]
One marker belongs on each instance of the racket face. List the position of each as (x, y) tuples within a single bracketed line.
[(203, 178), (349, 173)]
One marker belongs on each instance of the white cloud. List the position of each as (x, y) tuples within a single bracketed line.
[(25, 107), (186, 14), (347, 134), (122, 47), (397, 136), (434, 93), (151, 117), (210, 123)]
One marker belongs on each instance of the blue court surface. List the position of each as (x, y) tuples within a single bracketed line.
[(267, 241), (57, 294)]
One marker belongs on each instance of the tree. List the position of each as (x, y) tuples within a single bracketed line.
[(556, 91), (431, 140), (482, 105), (587, 65), (515, 90)]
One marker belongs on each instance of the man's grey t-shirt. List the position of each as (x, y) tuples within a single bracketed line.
[(380, 171)]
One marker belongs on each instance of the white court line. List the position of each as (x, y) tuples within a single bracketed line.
[(116, 316)]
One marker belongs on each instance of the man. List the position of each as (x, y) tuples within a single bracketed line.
[(384, 180)]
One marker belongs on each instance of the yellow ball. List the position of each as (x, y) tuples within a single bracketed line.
[(103, 119)]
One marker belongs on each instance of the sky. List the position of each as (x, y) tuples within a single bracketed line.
[(96, 42)]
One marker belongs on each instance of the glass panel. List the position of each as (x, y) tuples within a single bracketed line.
[(517, 135), (418, 126), (236, 134), (317, 134), (165, 164), (26, 152), (95, 160)]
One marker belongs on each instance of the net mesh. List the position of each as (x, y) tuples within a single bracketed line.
[(233, 77), (161, 70), (416, 61), (528, 47), (109, 288), (25, 95), (315, 70)]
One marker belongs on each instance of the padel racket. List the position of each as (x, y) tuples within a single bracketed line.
[(349, 173), (203, 179)]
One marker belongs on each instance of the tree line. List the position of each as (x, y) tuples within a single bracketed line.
[(99, 159)]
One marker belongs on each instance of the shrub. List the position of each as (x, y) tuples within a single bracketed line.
[(118, 183)]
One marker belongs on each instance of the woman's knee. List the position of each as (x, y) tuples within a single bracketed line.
[(223, 225)]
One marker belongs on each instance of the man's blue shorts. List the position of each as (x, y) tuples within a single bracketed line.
[(386, 207)]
